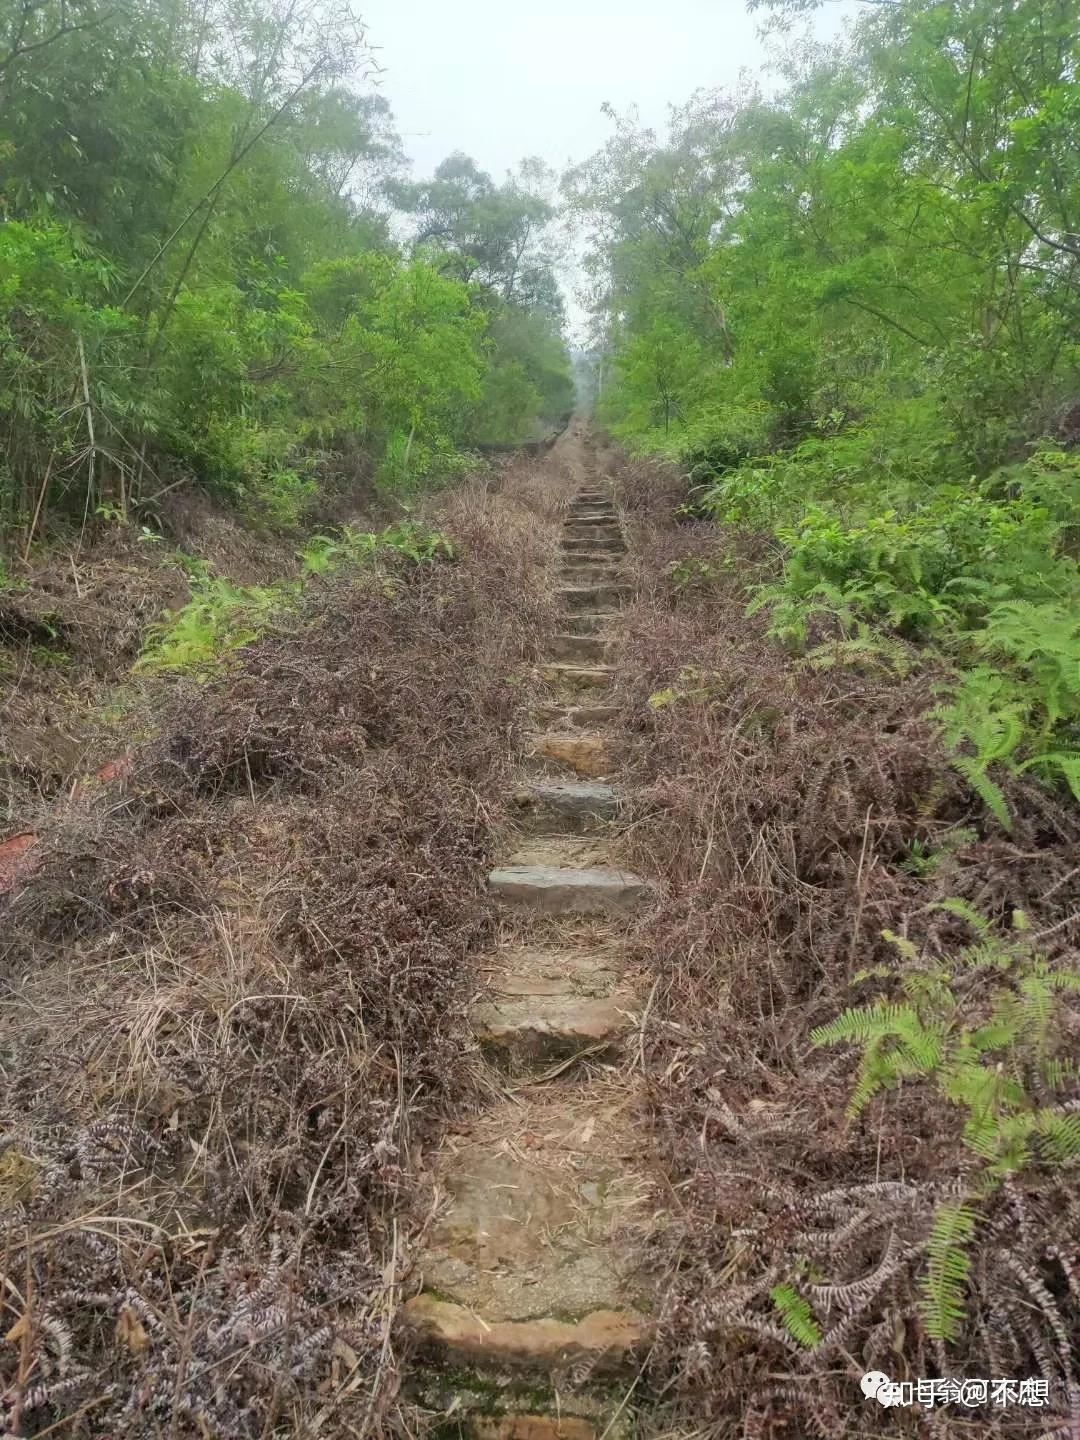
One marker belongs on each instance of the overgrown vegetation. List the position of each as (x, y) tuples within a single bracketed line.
[(198, 282), (235, 978), (850, 313), (221, 616), (859, 1045)]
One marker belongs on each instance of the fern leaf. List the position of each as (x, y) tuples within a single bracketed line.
[(796, 1315), (945, 1282), (1058, 1134), (989, 793)]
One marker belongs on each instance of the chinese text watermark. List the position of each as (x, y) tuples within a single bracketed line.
[(876, 1385)]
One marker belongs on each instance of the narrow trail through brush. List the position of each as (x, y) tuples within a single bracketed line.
[(529, 1323)]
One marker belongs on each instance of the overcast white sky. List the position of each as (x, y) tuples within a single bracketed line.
[(502, 80)]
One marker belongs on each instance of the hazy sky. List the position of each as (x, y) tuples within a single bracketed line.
[(502, 80)]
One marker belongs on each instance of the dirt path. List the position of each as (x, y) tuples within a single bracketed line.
[(529, 1322)]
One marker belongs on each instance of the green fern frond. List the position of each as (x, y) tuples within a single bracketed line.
[(974, 772), (964, 911), (948, 1266), (900, 942), (797, 1316), (1059, 1073), (861, 1026), (1037, 1007), (1058, 1134)]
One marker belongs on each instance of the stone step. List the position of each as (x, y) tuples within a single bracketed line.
[(585, 624), (534, 1032), (578, 530), (574, 803), (583, 559), (604, 1341), (538, 1198), (555, 890), (579, 544), (576, 647), (533, 1427), (594, 573), (577, 596), (577, 750), (578, 717), (577, 677), (601, 519)]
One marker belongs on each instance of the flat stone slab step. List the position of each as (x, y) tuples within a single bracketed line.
[(577, 677), (605, 1340), (539, 1196), (574, 558), (570, 799), (534, 1032), (533, 1427), (591, 532), (582, 717), (577, 596), (577, 544), (592, 517), (583, 753), (592, 574), (587, 622), (555, 890), (577, 647)]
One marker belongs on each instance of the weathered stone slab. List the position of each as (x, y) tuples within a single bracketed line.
[(532, 1427), (578, 596), (586, 532), (577, 647), (532, 1032), (577, 716), (551, 890), (574, 559), (583, 753), (576, 544), (577, 677), (604, 1339), (594, 573), (586, 623), (579, 799)]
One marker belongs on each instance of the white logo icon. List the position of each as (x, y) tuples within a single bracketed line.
[(876, 1385)]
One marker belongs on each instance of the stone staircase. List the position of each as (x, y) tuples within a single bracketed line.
[(529, 1325)]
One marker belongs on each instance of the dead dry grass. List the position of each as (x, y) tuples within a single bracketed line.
[(232, 1009)]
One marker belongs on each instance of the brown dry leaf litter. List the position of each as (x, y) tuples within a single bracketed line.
[(233, 1006), (777, 809)]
